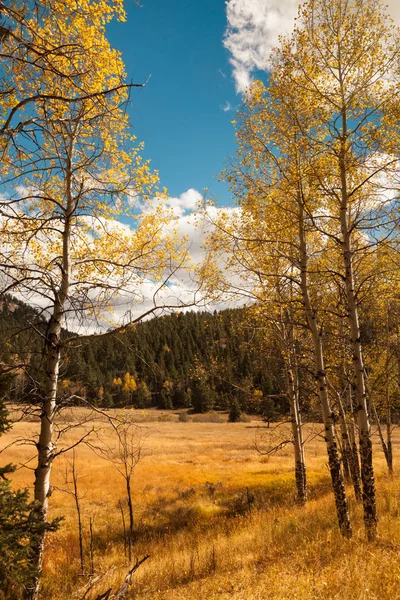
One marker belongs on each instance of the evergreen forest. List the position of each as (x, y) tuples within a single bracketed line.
[(197, 360)]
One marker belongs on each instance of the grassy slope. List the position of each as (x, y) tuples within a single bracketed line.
[(219, 521)]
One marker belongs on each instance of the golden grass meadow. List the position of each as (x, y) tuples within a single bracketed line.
[(218, 519)]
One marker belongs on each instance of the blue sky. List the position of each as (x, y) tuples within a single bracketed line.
[(179, 115), (201, 55)]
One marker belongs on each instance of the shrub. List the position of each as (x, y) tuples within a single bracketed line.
[(183, 417)]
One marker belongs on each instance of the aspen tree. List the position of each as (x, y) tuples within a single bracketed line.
[(345, 400), (77, 170), (382, 310), (255, 269), (33, 52), (292, 373), (273, 186), (340, 62)]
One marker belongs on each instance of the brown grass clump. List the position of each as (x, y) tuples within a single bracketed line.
[(219, 521)]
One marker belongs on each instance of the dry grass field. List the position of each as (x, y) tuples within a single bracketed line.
[(218, 519)]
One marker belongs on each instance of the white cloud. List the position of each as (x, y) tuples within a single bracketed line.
[(227, 107), (253, 29), (182, 289), (140, 294), (184, 203)]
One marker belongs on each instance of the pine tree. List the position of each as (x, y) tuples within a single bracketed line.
[(165, 400), (235, 413), (203, 396), (142, 397), (181, 398)]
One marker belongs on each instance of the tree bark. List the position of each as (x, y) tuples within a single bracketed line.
[(45, 446), (320, 376), (295, 417), (367, 470), (131, 518), (300, 467), (346, 452), (386, 444), (354, 460), (389, 437)]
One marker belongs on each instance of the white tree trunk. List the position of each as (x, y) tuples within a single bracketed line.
[(386, 444), (389, 437), (354, 462), (346, 451), (295, 417), (320, 376), (367, 470), (45, 446)]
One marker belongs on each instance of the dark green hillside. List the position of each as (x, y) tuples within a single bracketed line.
[(192, 359)]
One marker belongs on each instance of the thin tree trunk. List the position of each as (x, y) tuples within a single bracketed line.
[(320, 376), (346, 452), (348, 419), (131, 519), (389, 436), (389, 458), (78, 511), (354, 461), (300, 468), (301, 472), (91, 546), (295, 417), (364, 428), (386, 445), (367, 470), (45, 446)]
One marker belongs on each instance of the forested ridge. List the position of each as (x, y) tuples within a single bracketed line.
[(196, 360), (200, 361)]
